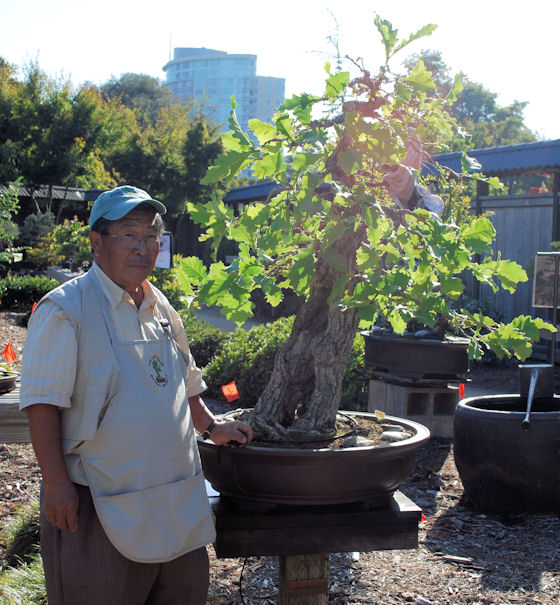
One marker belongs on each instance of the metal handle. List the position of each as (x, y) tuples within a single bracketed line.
[(532, 386)]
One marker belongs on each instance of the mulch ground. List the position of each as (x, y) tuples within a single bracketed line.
[(462, 556)]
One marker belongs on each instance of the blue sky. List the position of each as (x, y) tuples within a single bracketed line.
[(509, 46)]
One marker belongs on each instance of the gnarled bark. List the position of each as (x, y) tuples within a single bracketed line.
[(304, 391)]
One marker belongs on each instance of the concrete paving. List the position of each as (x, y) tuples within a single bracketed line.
[(214, 317)]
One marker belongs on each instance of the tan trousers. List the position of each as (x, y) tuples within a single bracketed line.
[(84, 568)]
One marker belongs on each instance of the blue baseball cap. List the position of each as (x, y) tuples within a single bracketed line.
[(118, 202)]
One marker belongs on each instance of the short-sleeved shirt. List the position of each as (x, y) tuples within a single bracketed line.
[(50, 351)]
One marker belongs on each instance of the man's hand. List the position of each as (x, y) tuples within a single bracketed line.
[(400, 184), (225, 432), (60, 504)]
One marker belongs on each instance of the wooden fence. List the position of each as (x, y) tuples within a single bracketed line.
[(524, 227)]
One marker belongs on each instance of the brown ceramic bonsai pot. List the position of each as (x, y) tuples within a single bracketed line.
[(413, 357), (265, 476)]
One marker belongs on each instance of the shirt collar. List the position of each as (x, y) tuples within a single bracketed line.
[(115, 294)]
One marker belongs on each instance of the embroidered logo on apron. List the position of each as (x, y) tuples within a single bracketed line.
[(158, 375)]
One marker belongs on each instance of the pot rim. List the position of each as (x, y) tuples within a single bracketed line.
[(422, 434), (452, 341), (466, 404)]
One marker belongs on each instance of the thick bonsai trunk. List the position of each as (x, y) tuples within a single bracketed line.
[(304, 391)]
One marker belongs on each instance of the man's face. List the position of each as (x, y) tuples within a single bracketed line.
[(128, 252)]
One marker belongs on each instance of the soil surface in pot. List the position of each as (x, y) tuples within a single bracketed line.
[(370, 429)]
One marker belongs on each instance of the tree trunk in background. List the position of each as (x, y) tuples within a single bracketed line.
[(49, 199)]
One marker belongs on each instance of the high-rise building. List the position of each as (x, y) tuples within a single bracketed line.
[(212, 77)]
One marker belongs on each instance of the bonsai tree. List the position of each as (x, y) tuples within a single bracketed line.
[(331, 233)]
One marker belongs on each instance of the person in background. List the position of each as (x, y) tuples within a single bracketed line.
[(112, 396), (402, 186)]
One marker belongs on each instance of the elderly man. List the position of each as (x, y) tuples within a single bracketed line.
[(112, 396)]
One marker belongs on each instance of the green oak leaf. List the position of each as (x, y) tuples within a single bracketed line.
[(420, 78), (469, 164), (397, 322), (336, 84), (350, 161), (479, 234), (191, 268), (263, 131), (452, 287)]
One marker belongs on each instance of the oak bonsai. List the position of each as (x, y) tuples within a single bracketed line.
[(331, 233)]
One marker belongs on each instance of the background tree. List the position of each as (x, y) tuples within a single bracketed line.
[(170, 146), (36, 226), (50, 131), (141, 92), (169, 158), (475, 108), (9, 205), (131, 130), (9, 134)]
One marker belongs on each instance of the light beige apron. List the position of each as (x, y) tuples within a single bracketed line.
[(143, 466)]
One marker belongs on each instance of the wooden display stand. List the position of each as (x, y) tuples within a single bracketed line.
[(302, 537)]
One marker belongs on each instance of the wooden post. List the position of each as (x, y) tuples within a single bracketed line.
[(304, 579)]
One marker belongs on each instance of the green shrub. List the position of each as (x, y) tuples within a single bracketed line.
[(355, 384), (23, 290), (68, 241), (247, 357), (36, 226), (9, 205), (485, 307), (204, 340), (42, 256), (474, 305)]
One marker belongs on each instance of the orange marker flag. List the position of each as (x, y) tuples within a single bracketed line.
[(9, 353), (230, 391)]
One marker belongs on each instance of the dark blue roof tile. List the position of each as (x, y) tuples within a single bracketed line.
[(543, 156), (251, 193)]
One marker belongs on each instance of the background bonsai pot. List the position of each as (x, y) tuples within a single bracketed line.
[(414, 357), (268, 476), (506, 468), (7, 382)]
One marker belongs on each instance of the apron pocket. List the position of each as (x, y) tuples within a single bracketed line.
[(160, 523)]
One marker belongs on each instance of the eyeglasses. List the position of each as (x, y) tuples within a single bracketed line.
[(130, 241)]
